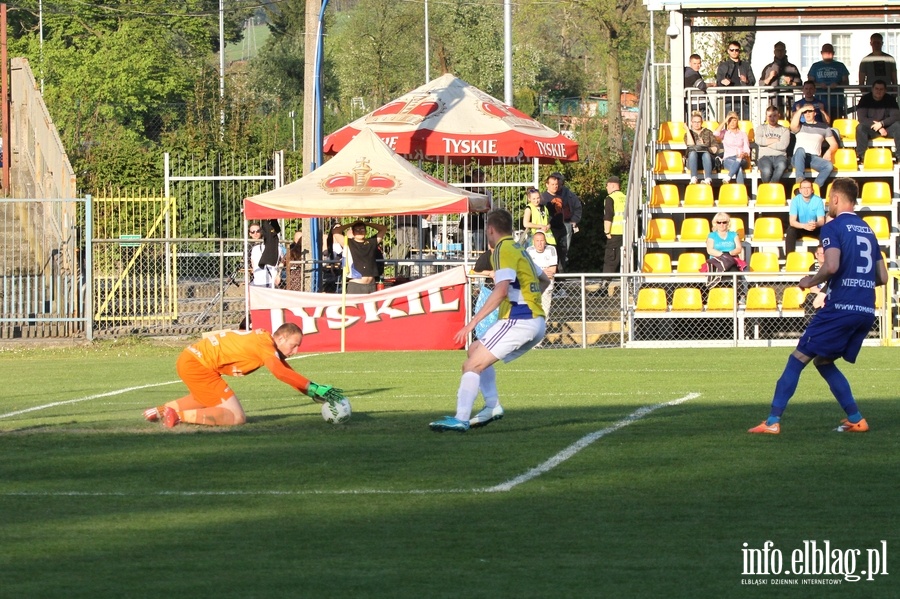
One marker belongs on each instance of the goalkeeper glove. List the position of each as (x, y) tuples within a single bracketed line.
[(324, 393)]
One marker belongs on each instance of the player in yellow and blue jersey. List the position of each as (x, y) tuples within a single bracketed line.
[(853, 268), (518, 285)]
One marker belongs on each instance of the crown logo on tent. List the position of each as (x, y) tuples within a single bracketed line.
[(411, 111), (360, 181)]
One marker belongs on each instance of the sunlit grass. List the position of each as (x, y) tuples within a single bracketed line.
[(97, 502)]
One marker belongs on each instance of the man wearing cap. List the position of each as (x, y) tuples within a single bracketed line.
[(829, 73), (362, 260), (613, 225)]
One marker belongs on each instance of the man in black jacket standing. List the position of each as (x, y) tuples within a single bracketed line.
[(565, 213)]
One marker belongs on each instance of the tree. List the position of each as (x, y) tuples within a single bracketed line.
[(624, 22)]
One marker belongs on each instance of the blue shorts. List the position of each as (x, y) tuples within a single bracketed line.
[(836, 334)]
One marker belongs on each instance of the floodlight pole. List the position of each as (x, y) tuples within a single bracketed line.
[(507, 53)]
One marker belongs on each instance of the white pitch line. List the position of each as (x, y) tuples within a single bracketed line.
[(553, 462), (88, 398), (574, 448), (107, 394)]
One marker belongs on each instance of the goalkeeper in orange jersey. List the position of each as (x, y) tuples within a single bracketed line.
[(210, 400)]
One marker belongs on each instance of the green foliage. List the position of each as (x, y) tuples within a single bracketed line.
[(368, 61)]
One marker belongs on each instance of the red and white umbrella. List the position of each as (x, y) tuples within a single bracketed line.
[(447, 117)]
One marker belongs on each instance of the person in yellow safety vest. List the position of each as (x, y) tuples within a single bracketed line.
[(536, 218), (613, 225)]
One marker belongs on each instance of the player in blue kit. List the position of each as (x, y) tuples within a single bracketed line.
[(853, 268), (518, 285)]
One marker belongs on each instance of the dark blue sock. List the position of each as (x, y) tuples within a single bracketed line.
[(840, 388), (786, 385)]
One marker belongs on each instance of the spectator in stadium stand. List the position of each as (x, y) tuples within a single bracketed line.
[(773, 140), (809, 99), (694, 80), (830, 74), (807, 215), (877, 64), (810, 136), (781, 73), (736, 147), (701, 147), (878, 116), (735, 72)]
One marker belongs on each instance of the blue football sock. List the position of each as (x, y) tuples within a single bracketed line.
[(786, 385), (772, 420), (840, 388), (854, 418)]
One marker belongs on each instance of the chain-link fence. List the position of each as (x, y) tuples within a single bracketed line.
[(174, 286)]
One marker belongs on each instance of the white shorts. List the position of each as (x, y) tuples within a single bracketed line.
[(510, 338)]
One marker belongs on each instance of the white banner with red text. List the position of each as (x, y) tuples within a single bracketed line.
[(421, 314)]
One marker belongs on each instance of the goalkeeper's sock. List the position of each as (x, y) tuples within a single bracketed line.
[(488, 385), (210, 417), (227, 413), (465, 396)]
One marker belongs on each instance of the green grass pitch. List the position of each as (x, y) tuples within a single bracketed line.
[(597, 483)]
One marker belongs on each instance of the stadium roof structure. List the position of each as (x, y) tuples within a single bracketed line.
[(809, 8), (366, 178)]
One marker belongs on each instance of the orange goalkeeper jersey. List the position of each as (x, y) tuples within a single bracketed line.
[(238, 353)]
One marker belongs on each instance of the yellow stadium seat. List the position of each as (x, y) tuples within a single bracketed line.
[(747, 127), (846, 128), (880, 226), (655, 262), (690, 262), (661, 229), (669, 162), (694, 229), (670, 131), (879, 297), (784, 123), (816, 189), (876, 193), (652, 299), (878, 159), (711, 125), (792, 298), (844, 159), (770, 194), (737, 225), (698, 195), (768, 228), (664, 195), (720, 298), (799, 261), (764, 262), (733, 194), (761, 298), (687, 298)]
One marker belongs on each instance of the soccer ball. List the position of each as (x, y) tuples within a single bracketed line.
[(336, 412)]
